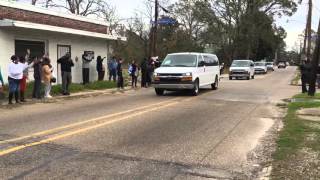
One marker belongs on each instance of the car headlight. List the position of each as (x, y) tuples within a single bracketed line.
[(155, 74), (187, 74)]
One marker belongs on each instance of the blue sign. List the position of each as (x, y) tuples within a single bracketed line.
[(165, 21)]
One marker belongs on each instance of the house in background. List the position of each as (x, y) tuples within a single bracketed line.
[(43, 31)]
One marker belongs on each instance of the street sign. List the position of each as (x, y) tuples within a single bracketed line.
[(165, 21)]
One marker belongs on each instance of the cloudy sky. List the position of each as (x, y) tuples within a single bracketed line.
[(293, 25)]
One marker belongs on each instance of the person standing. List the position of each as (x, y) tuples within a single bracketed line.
[(143, 67), (15, 74), (86, 59), (134, 74), (100, 68), (112, 68), (150, 70), (306, 73), (119, 73), (66, 65), (37, 78), (23, 81), (46, 76)]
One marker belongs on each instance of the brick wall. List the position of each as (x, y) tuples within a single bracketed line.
[(33, 17)]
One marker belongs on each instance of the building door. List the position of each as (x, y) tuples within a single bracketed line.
[(61, 51)]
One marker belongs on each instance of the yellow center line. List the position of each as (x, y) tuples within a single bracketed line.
[(83, 122), (82, 130)]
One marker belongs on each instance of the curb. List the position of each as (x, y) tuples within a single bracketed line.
[(89, 93)]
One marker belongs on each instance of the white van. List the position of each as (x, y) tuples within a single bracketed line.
[(181, 71), (242, 69)]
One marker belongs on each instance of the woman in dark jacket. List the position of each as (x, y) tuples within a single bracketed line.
[(120, 76), (100, 68)]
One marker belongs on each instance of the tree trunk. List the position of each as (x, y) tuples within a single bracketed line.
[(315, 64)]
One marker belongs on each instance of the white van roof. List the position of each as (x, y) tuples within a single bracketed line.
[(192, 53)]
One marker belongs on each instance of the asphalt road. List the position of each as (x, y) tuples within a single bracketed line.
[(138, 135)]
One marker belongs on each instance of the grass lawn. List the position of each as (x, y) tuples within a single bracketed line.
[(305, 96), (298, 146), (56, 89)]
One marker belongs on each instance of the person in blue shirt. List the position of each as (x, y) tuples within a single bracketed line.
[(112, 68)]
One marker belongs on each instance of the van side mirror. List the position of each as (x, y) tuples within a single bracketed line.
[(252, 65)]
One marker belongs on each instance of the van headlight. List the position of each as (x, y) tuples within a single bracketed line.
[(187, 74), (155, 74)]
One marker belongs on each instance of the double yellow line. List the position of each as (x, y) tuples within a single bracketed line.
[(132, 113)]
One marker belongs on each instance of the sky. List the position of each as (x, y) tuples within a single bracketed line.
[(293, 25)]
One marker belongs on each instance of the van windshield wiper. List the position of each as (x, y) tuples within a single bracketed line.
[(180, 65)]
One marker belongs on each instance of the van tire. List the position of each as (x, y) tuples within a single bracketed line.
[(215, 85), (248, 78), (230, 78), (159, 92), (196, 88), (252, 77)]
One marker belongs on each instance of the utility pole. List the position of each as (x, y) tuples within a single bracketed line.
[(309, 30), (155, 29), (153, 32), (315, 64)]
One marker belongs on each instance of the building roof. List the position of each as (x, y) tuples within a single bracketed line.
[(28, 25), (22, 15), (46, 11)]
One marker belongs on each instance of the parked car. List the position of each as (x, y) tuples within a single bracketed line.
[(282, 65), (260, 68), (187, 71), (242, 69), (270, 66)]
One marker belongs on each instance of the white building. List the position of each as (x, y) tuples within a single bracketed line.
[(43, 31)]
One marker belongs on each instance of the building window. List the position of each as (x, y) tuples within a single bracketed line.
[(37, 48)]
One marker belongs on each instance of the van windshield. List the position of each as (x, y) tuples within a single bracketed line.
[(240, 64), (180, 60), (259, 64)]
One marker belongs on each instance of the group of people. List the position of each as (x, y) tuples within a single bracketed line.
[(146, 68), (18, 74), (43, 74)]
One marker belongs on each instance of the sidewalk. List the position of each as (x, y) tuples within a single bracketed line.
[(82, 94)]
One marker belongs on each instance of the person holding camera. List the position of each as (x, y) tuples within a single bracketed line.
[(66, 65), (86, 59), (100, 68)]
